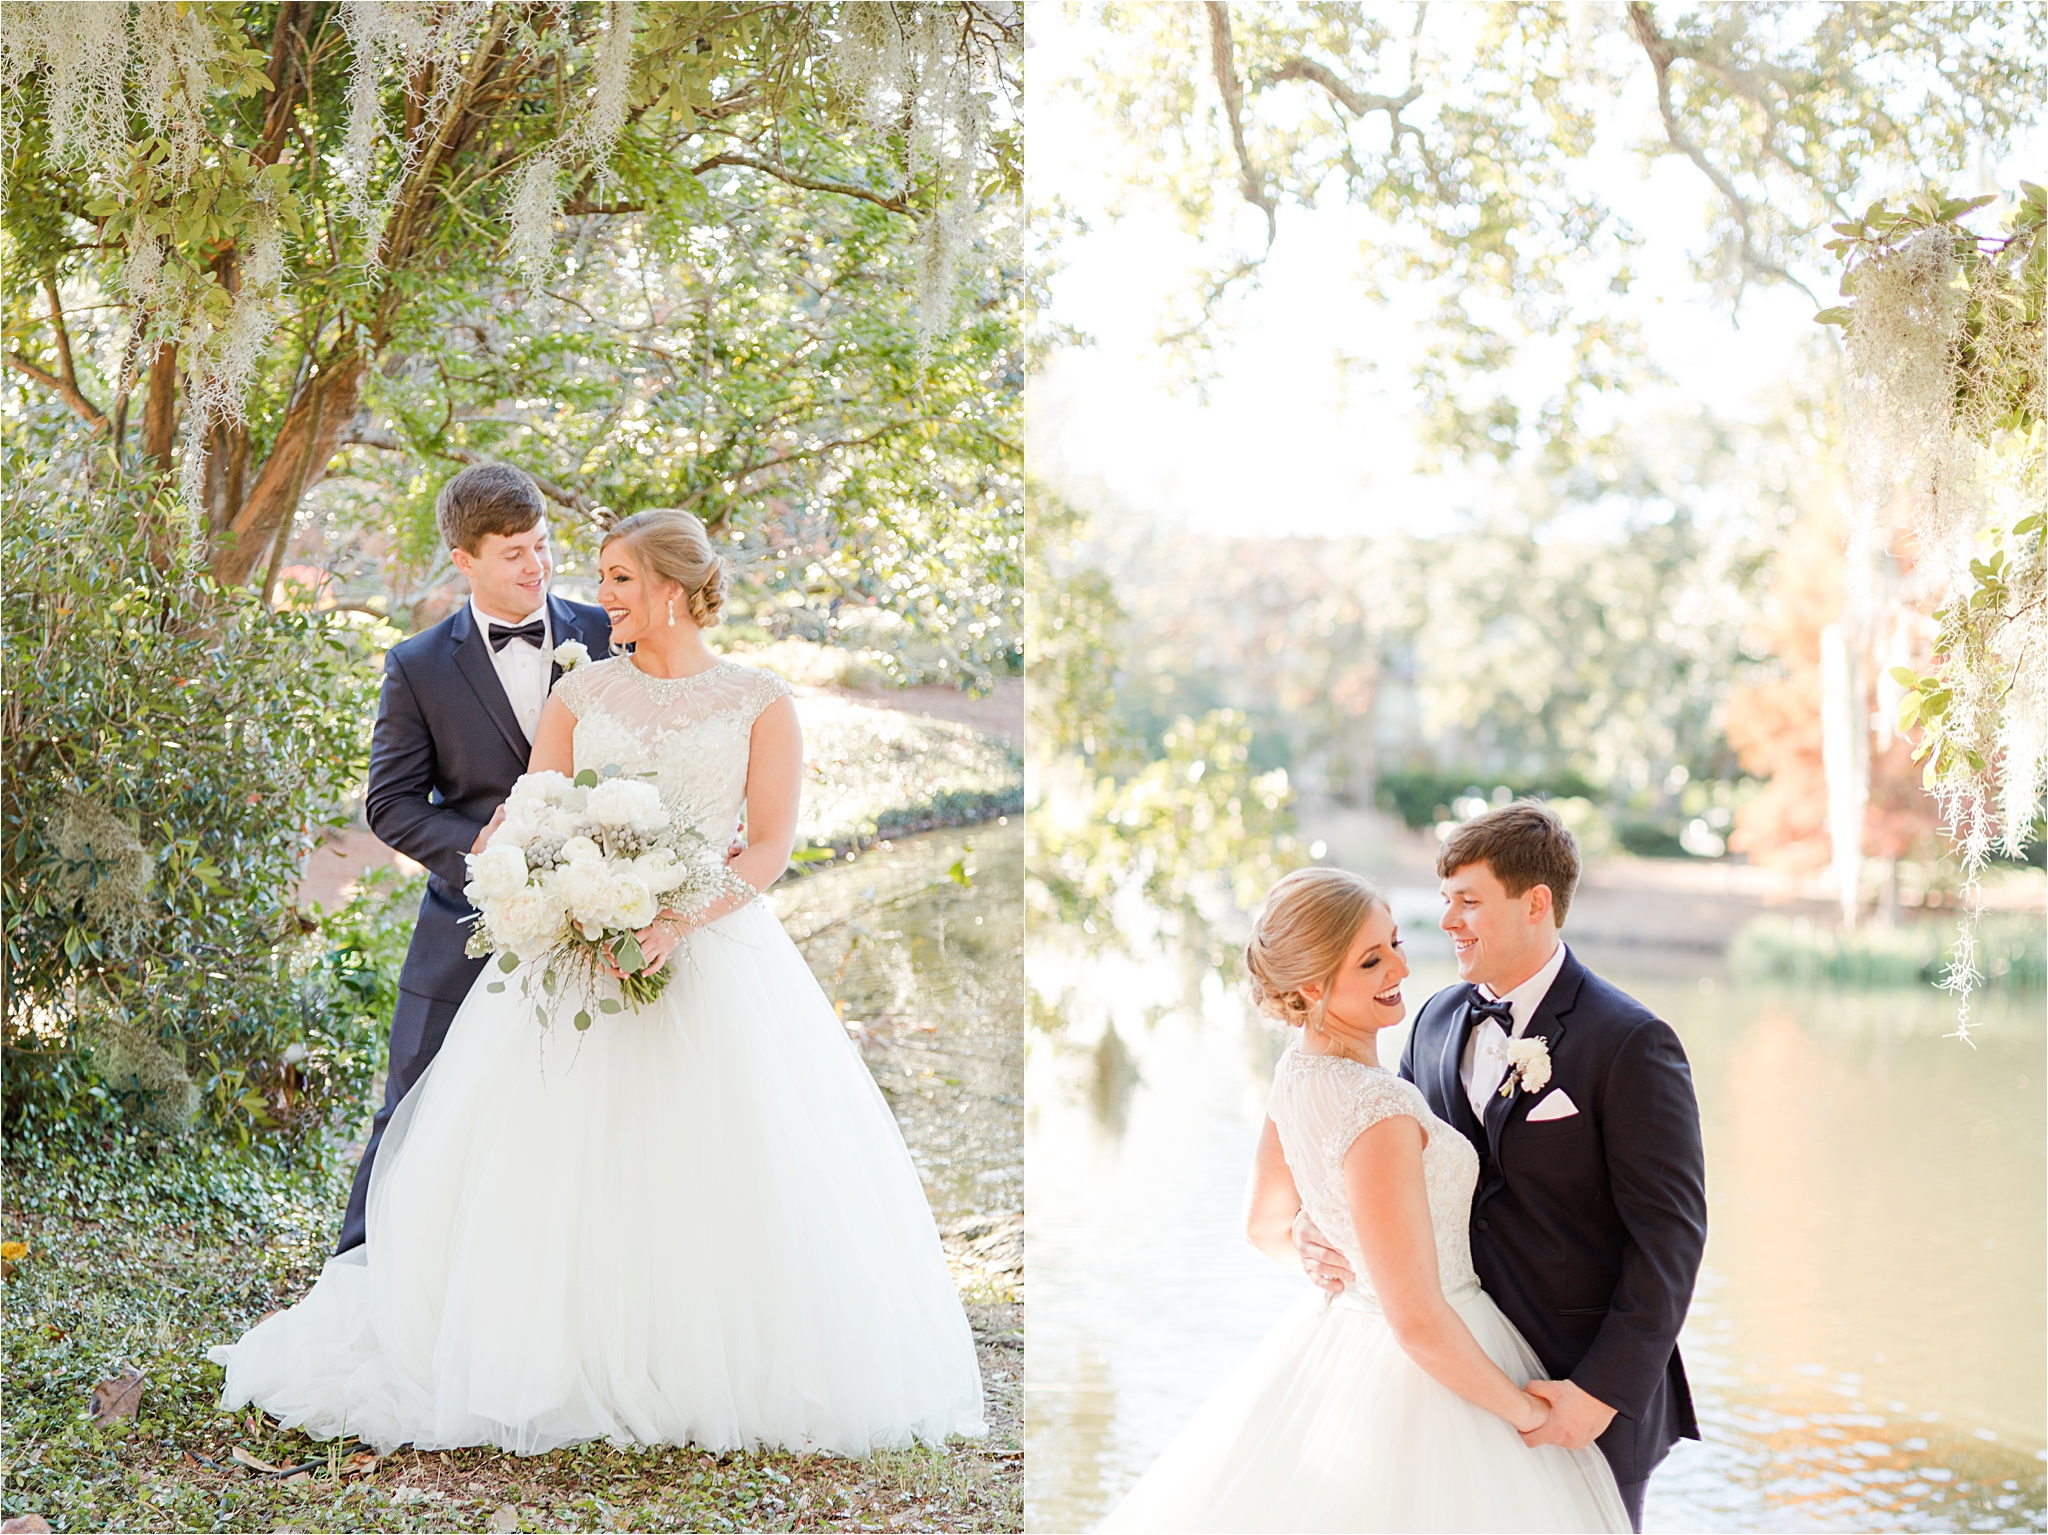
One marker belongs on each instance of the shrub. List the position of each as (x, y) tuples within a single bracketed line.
[(171, 749)]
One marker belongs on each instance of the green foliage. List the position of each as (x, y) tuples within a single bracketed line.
[(1190, 825), (2009, 952), (171, 751)]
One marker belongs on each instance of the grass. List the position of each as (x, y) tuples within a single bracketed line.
[(144, 1257)]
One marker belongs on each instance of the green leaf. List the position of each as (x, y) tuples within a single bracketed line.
[(582, 1021), (587, 779), (1909, 712), (628, 955), (1905, 678), (508, 962), (1839, 315), (607, 1005), (495, 986)]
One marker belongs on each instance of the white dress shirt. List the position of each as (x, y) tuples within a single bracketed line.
[(1485, 1062), (523, 669)]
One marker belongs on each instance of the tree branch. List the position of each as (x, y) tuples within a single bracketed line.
[(373, 437), (895, 204), (1223, 58), (68, 393), (1358, 103)]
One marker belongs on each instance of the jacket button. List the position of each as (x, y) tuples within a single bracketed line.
[(1481, 1224)]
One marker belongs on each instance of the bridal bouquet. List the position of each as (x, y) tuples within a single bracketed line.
[(577, 867)]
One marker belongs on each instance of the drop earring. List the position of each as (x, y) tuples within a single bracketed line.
[(671, 612)]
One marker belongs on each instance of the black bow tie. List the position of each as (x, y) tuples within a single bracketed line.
[(1500, 1012), (535, 634)]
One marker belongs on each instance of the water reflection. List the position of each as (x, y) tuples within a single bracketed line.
[(919, 943), (1868, 1337)]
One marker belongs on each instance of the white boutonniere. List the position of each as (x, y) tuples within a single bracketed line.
[(1528, 1059), (571, 654)]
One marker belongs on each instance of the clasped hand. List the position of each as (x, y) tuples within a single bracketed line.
[(657, 941)]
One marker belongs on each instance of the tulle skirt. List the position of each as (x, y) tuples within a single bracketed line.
[(695, 1224), (1328, 1425)]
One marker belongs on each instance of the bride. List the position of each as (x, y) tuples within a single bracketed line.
[(1400, 1403), (693, 1224)]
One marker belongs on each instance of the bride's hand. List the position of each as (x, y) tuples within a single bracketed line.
[(659, 939)]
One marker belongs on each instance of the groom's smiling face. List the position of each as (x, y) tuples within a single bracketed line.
[(1501, 939)]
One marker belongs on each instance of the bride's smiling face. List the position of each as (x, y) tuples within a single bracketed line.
[(634, 604), (1366, 995)]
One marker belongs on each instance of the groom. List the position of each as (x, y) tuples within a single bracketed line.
[(1590, 1212), (454, 729)]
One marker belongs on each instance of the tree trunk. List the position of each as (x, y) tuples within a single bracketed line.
[(160, 412), (297, 461)]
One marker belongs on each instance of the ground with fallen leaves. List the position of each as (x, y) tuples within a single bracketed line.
[(133, 1267)]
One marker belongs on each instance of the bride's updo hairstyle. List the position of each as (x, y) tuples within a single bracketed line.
[(674, 546), (1300, 938)]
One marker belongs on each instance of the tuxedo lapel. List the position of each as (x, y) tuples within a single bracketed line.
[(1547, 1025), (1449, 1088), (567, 624), (473, 660)]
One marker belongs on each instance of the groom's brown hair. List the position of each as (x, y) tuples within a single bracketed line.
[(487, 498), (1525, 844)]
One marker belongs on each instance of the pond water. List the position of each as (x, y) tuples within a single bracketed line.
[(919, 943), (1868, 1338)]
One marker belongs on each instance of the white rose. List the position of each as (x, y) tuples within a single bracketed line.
[(579, 850), (571, 654), (497, 871), (588, 889), (634, 904), (625, 802)]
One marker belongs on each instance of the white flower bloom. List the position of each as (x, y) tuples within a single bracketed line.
[(626, 802), (1530, 1059), (590, 890), (660, 870), (541, 788), (571, 654), (634, 904), (294, 1053), (562, 823), (580, 850), (527, 923), (497, 871)]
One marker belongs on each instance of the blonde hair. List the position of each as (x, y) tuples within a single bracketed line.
[(676, 546), (1300, 938)]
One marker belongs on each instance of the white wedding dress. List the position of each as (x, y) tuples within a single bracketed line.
[(1328, 1425), (695, 1224)]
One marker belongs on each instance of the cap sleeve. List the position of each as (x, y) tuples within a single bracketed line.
[(574, 687), (1375, 1096), (765, 688)]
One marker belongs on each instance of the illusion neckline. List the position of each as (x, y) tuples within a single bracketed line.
[(678, 684), (1306, 1056)]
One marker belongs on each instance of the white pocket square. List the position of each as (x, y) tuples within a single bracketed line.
[(1558, 1105)]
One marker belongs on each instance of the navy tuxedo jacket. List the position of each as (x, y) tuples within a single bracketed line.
[(1587, 1230), (445, 753)]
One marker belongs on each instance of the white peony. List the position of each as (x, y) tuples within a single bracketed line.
[(497, 871), (660, 870), (562, 823), (526, 922), (626, 802), (579, 850), (539, 788), (634, 904), (590, 891)]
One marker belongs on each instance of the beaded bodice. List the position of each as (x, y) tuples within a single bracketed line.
[(1321, 1104), (691, 733)]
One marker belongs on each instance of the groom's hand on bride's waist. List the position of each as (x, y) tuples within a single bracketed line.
[(1577, 1417), (1323, 1264)]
